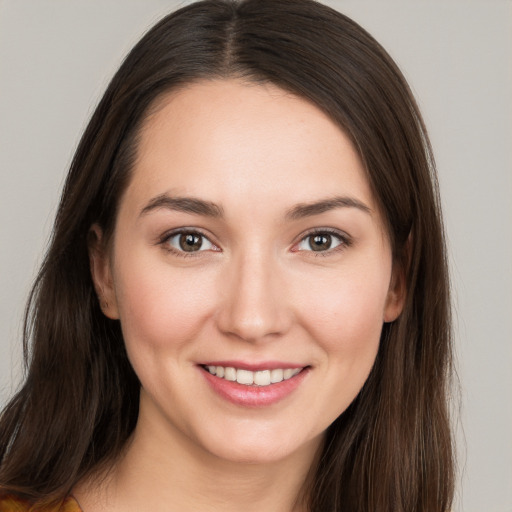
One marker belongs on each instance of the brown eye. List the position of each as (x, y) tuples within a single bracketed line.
[(189, 241), (321, 242)]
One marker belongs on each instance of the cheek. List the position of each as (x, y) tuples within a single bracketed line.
[(345, 317), (344, 311), (161, 307)]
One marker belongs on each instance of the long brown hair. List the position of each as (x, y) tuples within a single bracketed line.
[(391, 449)]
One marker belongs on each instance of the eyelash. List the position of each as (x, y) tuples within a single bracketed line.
[(164, 241), (344, 242)]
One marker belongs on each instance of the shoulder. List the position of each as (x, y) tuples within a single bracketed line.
[(11, 503)]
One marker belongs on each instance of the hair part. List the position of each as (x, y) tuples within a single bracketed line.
[(391, 449)]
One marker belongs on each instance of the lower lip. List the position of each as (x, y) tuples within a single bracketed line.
[(254, 396)]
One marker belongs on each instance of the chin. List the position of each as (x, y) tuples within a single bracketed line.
[(261, 448)]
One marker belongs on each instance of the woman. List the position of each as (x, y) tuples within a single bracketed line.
[(245, 302)]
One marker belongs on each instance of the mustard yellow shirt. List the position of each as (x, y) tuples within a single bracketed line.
[(11, 503)]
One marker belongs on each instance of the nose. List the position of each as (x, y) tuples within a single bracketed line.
[(254, 306)]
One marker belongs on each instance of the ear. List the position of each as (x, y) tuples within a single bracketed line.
[(396, 294), (101, 272)]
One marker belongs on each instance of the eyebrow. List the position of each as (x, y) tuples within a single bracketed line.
[(303, 210), (209, 209), (184, 204)]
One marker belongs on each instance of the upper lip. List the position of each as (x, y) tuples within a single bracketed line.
[(254, 366)]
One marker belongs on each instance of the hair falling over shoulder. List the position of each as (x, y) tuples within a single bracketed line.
[(392, 448)]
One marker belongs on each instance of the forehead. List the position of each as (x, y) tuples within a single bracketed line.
[(238, 143)]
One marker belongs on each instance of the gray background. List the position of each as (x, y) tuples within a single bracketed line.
[(56, 57)]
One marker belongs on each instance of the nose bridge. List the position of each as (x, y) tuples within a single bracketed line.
[(254, 306)]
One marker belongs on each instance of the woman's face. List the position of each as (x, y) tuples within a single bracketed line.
[(248, 248)]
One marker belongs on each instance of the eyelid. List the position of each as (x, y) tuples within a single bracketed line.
[(165, 237), (344, 238)]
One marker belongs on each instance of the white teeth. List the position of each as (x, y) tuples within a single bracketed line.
[(244, 377), (230, 373), (276, 375), (248, 378), (262, 378), (287, 373)]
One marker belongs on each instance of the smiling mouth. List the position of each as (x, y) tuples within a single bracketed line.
[(259, 378)]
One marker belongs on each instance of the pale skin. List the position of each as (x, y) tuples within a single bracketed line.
[(253, 159)]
